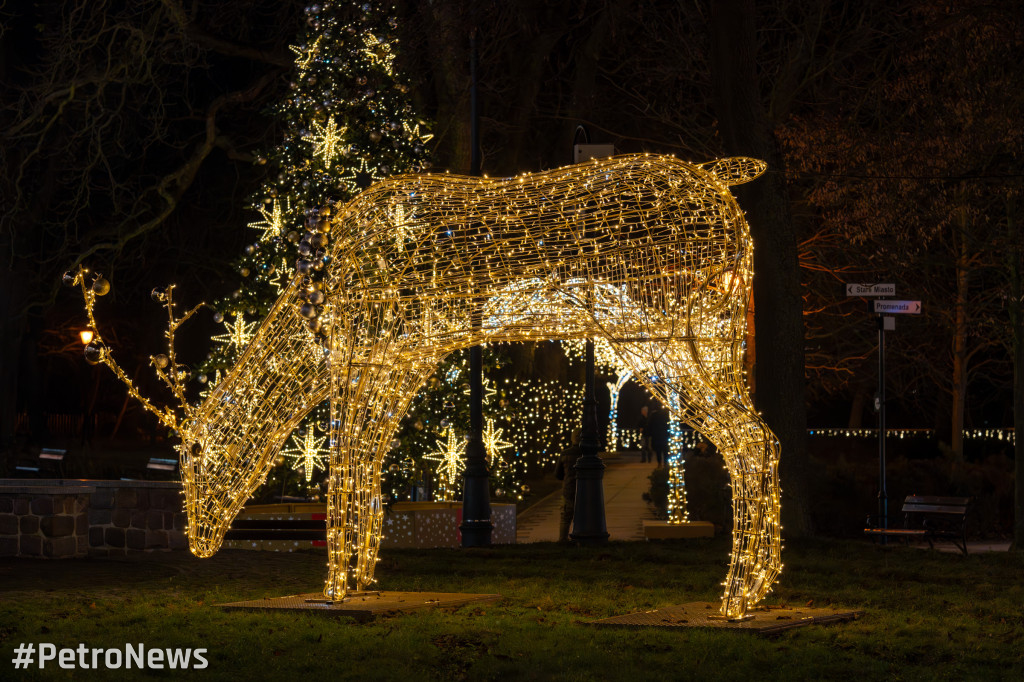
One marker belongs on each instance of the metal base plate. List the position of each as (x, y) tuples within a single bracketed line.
[(362, 606), (702, 614)]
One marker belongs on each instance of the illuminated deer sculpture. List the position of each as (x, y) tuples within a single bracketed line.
[(649, 252)]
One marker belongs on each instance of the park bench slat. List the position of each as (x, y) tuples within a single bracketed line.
[(931, 499), (276, 534), (933, 509), (282, 524), (895, 531)]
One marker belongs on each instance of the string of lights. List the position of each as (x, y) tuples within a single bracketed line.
[(1008, 435)]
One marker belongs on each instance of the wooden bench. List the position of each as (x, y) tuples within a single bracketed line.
[(930, 518), (299, 526)]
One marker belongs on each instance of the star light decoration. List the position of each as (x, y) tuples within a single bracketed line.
[(489, 390), (636, 249), (272, 223), (308, 453), (238, 335), (413, 130), (305, 57), (361, 175), (282, 273), (326, 140), (379, 52), (450, 454), (494, 443)]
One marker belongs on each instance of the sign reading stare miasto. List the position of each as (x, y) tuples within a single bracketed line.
[(870, 289)]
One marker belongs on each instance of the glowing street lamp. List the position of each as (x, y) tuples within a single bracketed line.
[(86, 336)]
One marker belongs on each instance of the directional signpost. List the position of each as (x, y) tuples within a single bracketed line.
[(883, 308), (870, 290), (898, 307)]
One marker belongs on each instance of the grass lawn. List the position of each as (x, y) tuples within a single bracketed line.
[(928, 615)]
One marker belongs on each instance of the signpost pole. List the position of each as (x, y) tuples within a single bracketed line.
[(883, 500), (883, 309)]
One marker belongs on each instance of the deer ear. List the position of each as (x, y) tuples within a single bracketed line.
[(735, 170)]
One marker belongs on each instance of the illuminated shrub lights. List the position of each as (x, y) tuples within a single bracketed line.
[(650, 253)]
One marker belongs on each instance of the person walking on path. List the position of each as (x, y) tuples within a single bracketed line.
[(644, 425), (565, 472)]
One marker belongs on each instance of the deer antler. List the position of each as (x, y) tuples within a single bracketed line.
[(166, 366)]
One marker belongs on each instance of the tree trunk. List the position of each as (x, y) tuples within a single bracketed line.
[(586, 58), (448, 41), (860, 398), (959, 387), (1015, 257), (747, 130), (12, 314)]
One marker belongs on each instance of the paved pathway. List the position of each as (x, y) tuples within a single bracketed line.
[(625, 482)]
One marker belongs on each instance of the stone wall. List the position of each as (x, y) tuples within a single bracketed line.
[(73, 518), (137, 517), (46, 521)]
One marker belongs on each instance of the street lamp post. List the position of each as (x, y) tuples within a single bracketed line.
[(589, 525), (588, 516), (476, 526)]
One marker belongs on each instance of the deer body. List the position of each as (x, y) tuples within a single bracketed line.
[(650, 252)]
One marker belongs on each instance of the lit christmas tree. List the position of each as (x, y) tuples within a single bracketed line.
[(348, 121)]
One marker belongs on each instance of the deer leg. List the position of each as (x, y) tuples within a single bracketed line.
[(395, 388), (702, 381), (751, 456), (362, 425), (341, 509), (353, 492)]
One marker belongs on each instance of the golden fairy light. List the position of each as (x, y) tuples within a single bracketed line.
[(632, 249)]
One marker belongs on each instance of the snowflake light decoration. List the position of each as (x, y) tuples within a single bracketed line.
[(379, 52), (494, 443), (402, 221), (308, 453), (305, 57), (272, 222), (450, 454), (238, 334), (326, 140)]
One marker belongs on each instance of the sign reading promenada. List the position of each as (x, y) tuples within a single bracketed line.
[(898, 307)]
